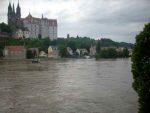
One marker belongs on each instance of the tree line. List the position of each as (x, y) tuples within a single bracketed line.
[(110, 52)]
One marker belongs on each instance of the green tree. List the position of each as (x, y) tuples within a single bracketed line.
[(29, 54), (125, 52), (108, 53), (45, 44), (1, 53), (5, 28), (141, 69), (98, 49), (63, 50), (72, 45)]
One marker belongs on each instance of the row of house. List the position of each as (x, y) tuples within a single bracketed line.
[(82, 51), (53, 52), (20, 52)]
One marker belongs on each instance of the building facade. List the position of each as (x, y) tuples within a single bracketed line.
[(37, 27), (53, 52), (14, 52), (41, 27)]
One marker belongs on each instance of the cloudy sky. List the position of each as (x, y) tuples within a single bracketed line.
[(119, 20)]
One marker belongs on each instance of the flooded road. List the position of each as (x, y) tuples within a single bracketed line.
[(67, 86)]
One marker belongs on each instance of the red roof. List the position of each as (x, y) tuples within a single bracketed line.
[(51, 22), (15, 48)]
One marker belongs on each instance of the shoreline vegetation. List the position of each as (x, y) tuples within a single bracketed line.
[(110, 52), (107, 47)]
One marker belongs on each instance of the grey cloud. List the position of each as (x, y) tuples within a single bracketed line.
[(131, 12), (120, 20)]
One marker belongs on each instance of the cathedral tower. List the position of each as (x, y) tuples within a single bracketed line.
[(9, 14), (18, 11), (14, 18)]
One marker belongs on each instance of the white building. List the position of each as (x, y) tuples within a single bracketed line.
[(42, 54), (92, 50), (70, 51), (22, 34), (53, 52), (41, 27)]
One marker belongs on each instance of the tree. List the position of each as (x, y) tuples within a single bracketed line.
[(98, 50), (72, 45), (5, 28), (46, 42), (63, 50), (29, 54), (108, 53), (125, 52), (98, 47), (1, 53), (141, 68)]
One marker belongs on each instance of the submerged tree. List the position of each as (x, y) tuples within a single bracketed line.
[(141, 69), (63, 50), (98, 49)]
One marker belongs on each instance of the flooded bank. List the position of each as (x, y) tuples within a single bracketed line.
[(67, 86)]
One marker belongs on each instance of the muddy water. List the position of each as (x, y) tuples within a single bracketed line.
[(67, 86)]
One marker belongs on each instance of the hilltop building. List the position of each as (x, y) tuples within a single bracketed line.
[(41, 27), (31, 26)]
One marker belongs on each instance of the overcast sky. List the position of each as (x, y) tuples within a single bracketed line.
[(119, 20)]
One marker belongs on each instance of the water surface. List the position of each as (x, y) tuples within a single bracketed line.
[(67, 86)]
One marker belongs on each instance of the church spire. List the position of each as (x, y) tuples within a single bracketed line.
[(13, 9), (9, 8), (9, 4), (18, 10), (18, 6)]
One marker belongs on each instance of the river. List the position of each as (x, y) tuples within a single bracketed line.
[(67, 86)]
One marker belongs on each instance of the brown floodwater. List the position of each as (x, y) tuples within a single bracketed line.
[(67, 86)]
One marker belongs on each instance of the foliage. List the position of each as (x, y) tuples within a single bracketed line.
[(4, 28), (125, 52), (98, 49), (29, 54), (109, 43), (43, 44), (1, 53), (63, 50), (108, 53), (74, 43), (141, 68)]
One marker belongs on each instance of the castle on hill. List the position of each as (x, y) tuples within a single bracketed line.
[(30, 26)]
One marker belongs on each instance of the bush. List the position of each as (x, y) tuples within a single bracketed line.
[(141, 69), (29, 54)]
